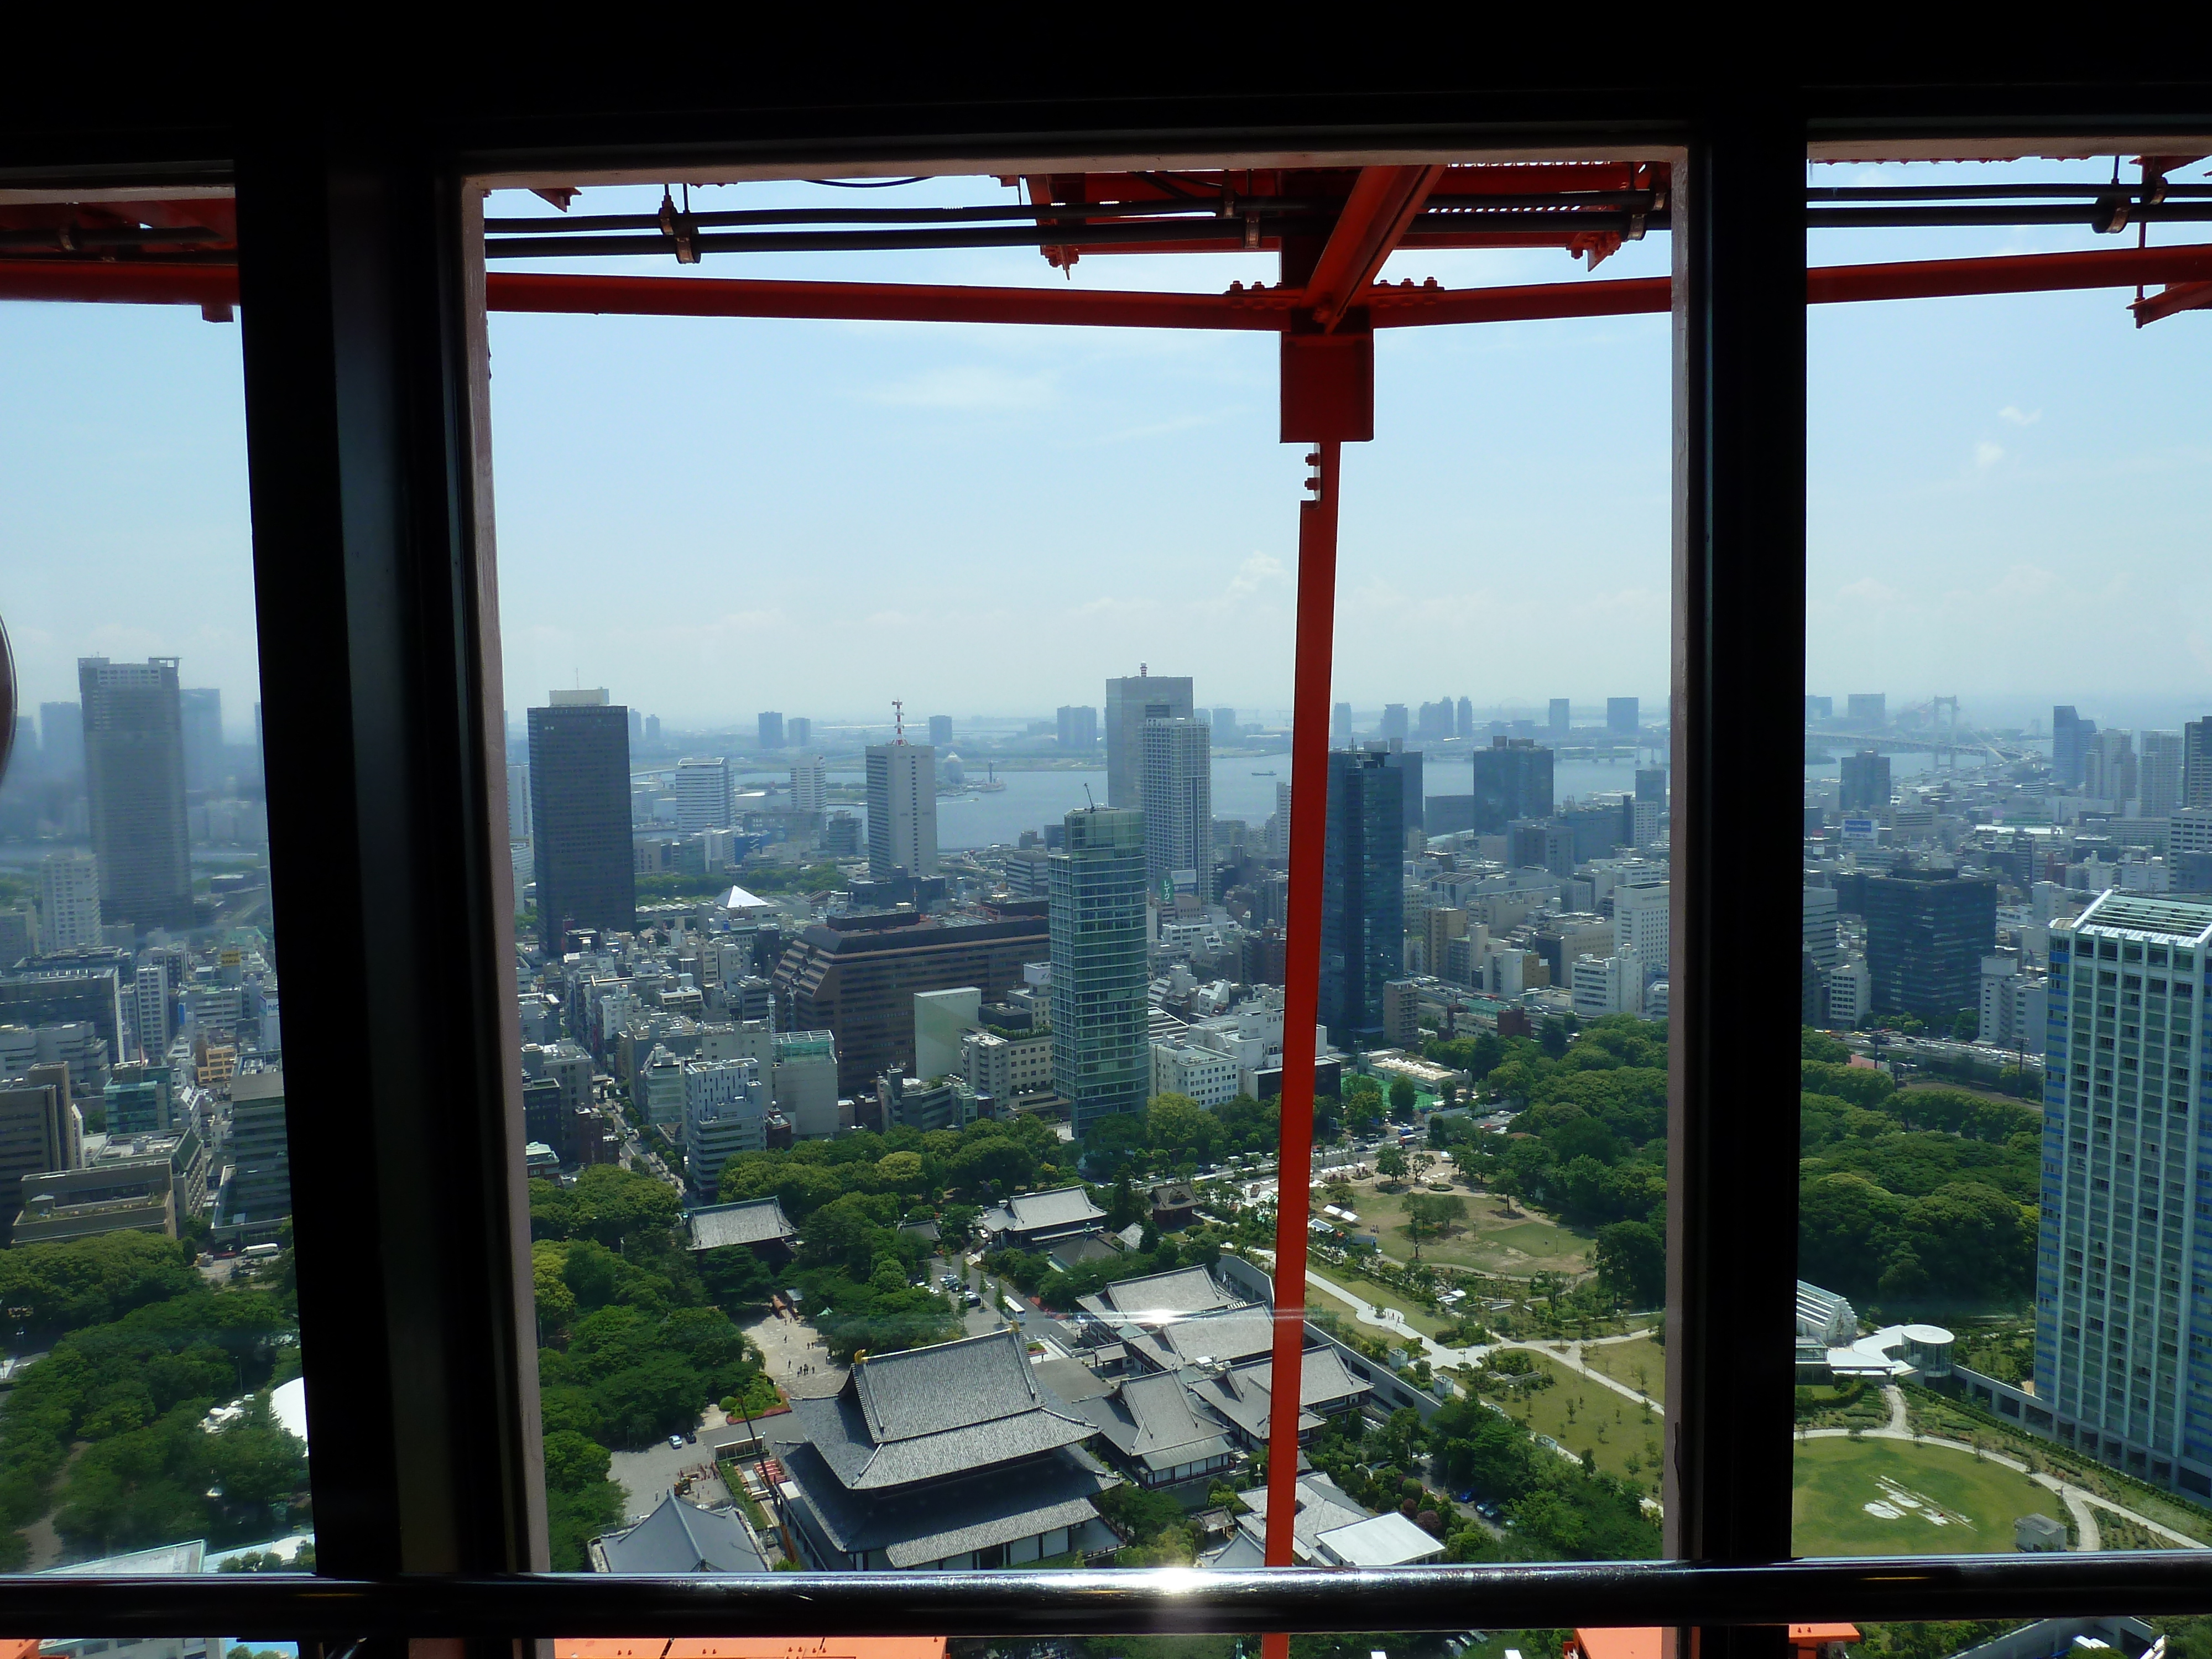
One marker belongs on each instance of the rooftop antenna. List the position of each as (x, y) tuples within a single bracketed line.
[(898, 720), (1143, 669)]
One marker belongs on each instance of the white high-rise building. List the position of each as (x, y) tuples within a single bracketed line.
[(1607, 985), (2158, 773), (810, 784), (1640, 925), (152, 1018), (1178, 805), (518, 801), (2122, 1316), (1130, 702), (902, 810), (703, 794), (1821, 927), (1278, 827), (725, 1113), (2015, 1004), (69, 899)]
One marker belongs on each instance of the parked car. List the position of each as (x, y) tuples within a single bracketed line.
[(676, 1441)]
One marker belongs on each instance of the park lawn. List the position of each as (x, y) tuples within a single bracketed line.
[(1619, 1361), (1518, 1245), (1887, 1498), (1422, 1319), (1611, 1429)]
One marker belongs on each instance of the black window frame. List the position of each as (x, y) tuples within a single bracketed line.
[(375, 579)]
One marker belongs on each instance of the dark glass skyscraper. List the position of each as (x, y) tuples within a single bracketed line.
[(133, 767), (1927, 933), (2069, 742), (580, 815), (1362, 921), (1512, 780), (1865, 786)]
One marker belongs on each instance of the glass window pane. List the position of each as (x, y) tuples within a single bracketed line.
[(1999, 1303), (154, 1418)]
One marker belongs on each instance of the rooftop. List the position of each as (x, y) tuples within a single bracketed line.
[(2129, 915), (1028, 1212), (1157, 1298), (681, 1537), (755, 1221)]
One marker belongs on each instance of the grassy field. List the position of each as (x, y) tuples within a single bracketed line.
[(1887, 1497), (1619, 1361), (1492, 1241), (1422, 1319), (1586, 1416)]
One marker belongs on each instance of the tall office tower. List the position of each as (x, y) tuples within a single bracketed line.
[(940, 730), (1178, 793), (1362, 921), (771, 730), (61, 737), (1224, 725), (653, 730), (579, 814), (1865, 782), (1101, 1060), (518, 801), (1562, 720), (1463, 725), (2158, 774), (1648, 807), (1624, 716), (1078, 727), (636, 729), (810, 784), (1395, 729), (1641, 923), (1278, 827), (134, 762), (1820, 936), (153, 1018), (800, 730), (1340, 726), (2068, 731), (2108, 766), (902, 810), (2196, 762), (69, 901), (1868, 710), (2123, 1318), (1512, 780), (1819, 709), (259, 1191), (1927, 933), (1129, 704), (703, 794), (1407, 763), (201, 709)]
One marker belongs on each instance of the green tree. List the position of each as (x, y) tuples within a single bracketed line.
[(1432, 1215), (1631, 1259), (1390, 1163), (1404, 1096)]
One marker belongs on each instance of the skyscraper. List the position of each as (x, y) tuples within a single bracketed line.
[(2196, 762), (771, 730), (69, 901), (1464, 726), (518, 801), (1101, 1048), (636, 728), (1642, 924), (1865, 782), (2069, 735), (1624, 716), (2123, 1316), (940, 730), (1512, 780), (580, 815), (799, 731), (1363, 926), (703, 794), (134, 759), (1078, 727), (2158, 773), (1927, 933), (1868, 710), (1178, 794), (1339, 725), (2108, 766), (1130, 703), (902, 810), (653, 730), (1224, 725), (201, 707), (1395, 727), (1562, 721), (1407, 763), (810, 784), (61, 737)]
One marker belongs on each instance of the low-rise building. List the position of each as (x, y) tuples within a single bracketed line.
[(1009, 1066), (1241, 1396), (1029, 1220), (754, 1223), (1155, 1436), (681, 1537), (1205, 1074), (725, 1113)]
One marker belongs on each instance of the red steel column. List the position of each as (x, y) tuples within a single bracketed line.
[(1301, 997)]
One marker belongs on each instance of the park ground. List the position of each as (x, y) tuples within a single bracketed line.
[(1893, 1497), (1496, 1238)]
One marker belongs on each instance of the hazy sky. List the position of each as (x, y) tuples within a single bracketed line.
[(713, 517)]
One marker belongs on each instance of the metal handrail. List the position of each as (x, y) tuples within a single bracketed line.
[(1157, 1600)]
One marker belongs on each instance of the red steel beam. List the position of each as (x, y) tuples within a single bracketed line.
[(2174, 297), (1381, 204), (1267, 310)]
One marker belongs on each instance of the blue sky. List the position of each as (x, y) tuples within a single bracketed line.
[(713, 517)]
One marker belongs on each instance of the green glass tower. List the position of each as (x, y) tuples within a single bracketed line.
[(1101, 1052)]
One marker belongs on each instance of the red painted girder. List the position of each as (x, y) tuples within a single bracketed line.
[(144, 281), (1381, 204), (2175, 297)]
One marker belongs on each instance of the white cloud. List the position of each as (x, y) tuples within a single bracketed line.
[(1987, 453), (2018, 416), (971, 386), (1255, 573)]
